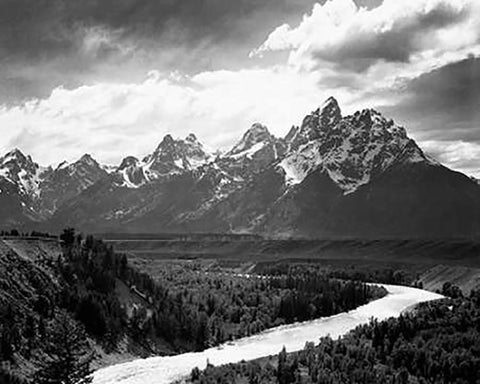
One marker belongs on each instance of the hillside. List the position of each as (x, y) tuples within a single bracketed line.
[(128, 313)]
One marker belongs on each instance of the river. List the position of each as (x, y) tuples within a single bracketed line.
[(164, 370)]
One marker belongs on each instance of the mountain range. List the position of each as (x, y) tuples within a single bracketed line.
[(332, 176)]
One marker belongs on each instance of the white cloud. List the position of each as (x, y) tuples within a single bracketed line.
[(114, 120), (460, 155), (360, 56), (398, 39)]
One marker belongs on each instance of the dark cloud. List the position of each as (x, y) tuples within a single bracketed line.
[(395, 44), (443, 104), (42, 42)]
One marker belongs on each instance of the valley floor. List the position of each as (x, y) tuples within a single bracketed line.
[(159, 370)]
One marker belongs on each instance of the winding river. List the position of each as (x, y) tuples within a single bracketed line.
[(164, 370)]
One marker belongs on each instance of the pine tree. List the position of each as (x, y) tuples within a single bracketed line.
[(69, 358)]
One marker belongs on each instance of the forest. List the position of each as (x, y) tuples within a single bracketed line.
[(185, 310), (438, 342), (375, 272)]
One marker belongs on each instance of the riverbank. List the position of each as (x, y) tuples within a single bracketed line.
[(164, 370)]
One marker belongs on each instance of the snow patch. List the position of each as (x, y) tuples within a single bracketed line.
[(249, 153), (179, 163)]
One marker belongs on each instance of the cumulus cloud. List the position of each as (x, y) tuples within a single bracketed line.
[(354, 38), (406, 58), (115, 120)]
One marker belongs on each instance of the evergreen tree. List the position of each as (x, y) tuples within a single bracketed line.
[(69, 358), (68, 236)]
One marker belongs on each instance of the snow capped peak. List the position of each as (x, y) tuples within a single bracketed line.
[(350, 150), (175, 149), (329, 113), (330, 102), (256, 150), (172, 156), (86, 161), (21, 170), (17, 157), (257, 136), (318, 123)]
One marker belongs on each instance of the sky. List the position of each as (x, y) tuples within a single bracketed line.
[(112, 77)]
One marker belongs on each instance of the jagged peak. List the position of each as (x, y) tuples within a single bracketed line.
[(17, 159), (331, 102), (256, 134), (169, 144), (15, 154), (329, 113), (166, 141), (353, 150), (87, 159), (371, 119)]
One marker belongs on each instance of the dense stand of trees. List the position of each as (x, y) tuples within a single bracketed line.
[(186, 309), (357, 272), (230, 306), (437, 343)]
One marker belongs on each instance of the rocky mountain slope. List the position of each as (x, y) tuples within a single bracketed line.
[(331, 176), (30, 193)]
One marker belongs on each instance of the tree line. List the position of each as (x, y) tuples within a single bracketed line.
[(439, 342)]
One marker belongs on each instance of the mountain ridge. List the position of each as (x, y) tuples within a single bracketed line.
[(331, 176)]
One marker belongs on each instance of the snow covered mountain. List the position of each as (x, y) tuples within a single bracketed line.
[(21, 170), (20, 179), (353, 176), (326, 117), (332, 176), (172, 157), (352, 150), (256, 150), (30, 192), (68, 181)]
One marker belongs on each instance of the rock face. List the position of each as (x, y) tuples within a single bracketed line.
[(333, 176), (31, 193), (172, 157), (256, 150), (68, 181), (352, 150)]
